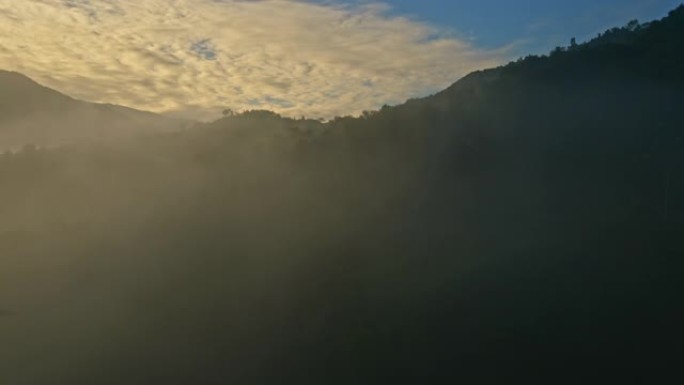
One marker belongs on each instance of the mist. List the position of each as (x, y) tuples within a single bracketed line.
[(31, 114), (520, 224)]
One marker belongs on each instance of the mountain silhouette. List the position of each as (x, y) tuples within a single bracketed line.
[(37, 115), (522, 226)]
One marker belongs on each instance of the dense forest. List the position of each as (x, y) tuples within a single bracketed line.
[(525, 223)]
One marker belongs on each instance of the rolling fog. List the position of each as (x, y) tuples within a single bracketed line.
[(182, 251), (522, 223)]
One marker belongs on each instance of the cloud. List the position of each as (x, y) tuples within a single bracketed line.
[(195, 57)]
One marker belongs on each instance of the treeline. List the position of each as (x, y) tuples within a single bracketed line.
[(523, 224)]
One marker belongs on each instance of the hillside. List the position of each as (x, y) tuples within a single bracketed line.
[(36, 115), (522, 226)]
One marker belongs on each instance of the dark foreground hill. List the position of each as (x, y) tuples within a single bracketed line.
[(523, 226), (31, 114)]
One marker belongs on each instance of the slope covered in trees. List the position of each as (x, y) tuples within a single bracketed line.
[(525, 223)]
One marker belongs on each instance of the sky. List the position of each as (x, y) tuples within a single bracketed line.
[(539, 25), (314, 58)]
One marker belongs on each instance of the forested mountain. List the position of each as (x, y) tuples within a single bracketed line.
[(31, 114), (524, 224)]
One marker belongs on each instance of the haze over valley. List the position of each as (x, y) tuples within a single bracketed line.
[(348, 195)]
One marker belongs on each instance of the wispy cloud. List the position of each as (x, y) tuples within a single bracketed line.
[(194, 57)]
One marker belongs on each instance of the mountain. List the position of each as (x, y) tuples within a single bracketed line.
[(522, 226), (37, 115)]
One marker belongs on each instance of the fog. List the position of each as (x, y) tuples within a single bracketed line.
[(31, 114), (525, 219), (184, 244)]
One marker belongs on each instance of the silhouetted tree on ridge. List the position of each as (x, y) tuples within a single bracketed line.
[(522, 225)]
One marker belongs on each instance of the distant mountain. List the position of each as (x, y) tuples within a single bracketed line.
[(33, 114), (522, 226)]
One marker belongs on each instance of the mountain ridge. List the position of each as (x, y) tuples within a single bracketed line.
[(31, 113), (522, 226)]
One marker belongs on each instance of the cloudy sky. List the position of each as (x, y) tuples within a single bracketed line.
[(315, 58)]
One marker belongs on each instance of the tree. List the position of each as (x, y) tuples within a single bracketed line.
[(368, 114), (557, 51), (228, 112), (633, 25)]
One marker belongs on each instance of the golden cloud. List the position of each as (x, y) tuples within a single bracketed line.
[(195, 57)]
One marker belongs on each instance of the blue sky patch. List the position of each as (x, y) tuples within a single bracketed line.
[(205, 49)]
